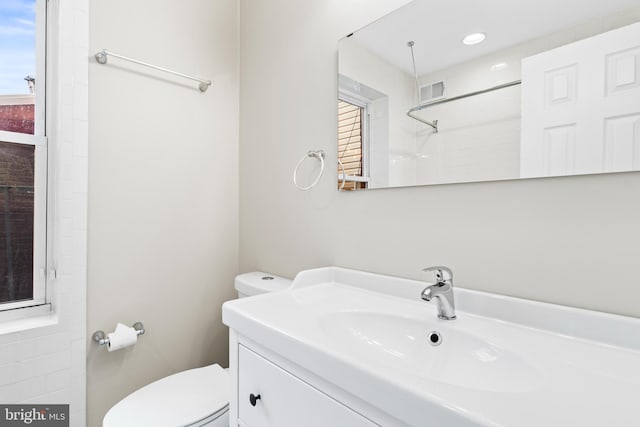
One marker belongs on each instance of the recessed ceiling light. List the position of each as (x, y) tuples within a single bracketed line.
[(499, 66), (474, 38)]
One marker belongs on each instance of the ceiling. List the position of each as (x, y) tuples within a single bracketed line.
[(438, 27)]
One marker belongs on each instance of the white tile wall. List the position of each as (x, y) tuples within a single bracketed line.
[(48, 364)]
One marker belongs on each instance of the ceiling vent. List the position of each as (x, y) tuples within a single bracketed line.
[(431, 92)]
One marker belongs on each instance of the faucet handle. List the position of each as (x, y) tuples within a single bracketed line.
[(443, 274)]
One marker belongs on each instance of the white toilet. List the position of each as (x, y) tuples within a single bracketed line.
[(194, 398)]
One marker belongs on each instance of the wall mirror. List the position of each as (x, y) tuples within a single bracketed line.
[(463, 91)]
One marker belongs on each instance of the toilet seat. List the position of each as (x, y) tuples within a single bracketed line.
[(194, 398)]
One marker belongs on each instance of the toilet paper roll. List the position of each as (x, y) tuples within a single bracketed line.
[(123, 336)]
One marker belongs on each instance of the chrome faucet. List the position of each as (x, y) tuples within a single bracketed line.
[(442, 291)]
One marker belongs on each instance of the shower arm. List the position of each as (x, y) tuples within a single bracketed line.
[(433, 124)]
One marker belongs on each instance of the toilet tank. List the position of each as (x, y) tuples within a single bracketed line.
[(258, 282)]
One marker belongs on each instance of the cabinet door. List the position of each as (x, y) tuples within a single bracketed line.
[(284, 400)]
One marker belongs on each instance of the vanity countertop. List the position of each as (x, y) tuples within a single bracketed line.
[(502, 362)]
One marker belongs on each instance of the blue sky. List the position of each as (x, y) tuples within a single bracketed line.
[(17, 45)]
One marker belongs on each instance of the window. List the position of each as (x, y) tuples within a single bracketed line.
[(351, 144), (23, 154)]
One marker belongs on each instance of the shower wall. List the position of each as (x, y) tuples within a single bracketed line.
[(42, 359)]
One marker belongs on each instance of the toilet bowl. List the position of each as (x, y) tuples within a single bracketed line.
[(194, 398)]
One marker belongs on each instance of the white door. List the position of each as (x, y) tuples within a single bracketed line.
[(581, 107)]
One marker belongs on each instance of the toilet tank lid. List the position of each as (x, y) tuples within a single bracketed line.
[(259, 282), (177, 400)]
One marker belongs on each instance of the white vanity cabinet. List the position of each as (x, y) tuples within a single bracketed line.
[(269, 396), (346, 348)]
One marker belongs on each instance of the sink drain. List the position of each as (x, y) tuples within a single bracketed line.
[(435, 339)]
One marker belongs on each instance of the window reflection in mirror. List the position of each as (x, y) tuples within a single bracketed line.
[(350, 145)]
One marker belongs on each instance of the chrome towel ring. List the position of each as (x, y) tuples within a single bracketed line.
[(318, 154)]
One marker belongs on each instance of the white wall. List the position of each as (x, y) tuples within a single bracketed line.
[(163, 190), (564, 240), (46, 364)]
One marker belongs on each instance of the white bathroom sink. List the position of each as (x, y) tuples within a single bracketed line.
[(502, 362), (401, 343)]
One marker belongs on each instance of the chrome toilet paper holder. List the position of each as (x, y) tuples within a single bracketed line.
[(101, 338)]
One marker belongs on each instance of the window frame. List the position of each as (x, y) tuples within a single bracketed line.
[(41, 294), (365, 105)]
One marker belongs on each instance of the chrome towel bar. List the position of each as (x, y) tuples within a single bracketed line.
[(101, 57)]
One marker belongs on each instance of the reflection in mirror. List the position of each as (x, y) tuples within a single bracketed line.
[(464, 91)]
